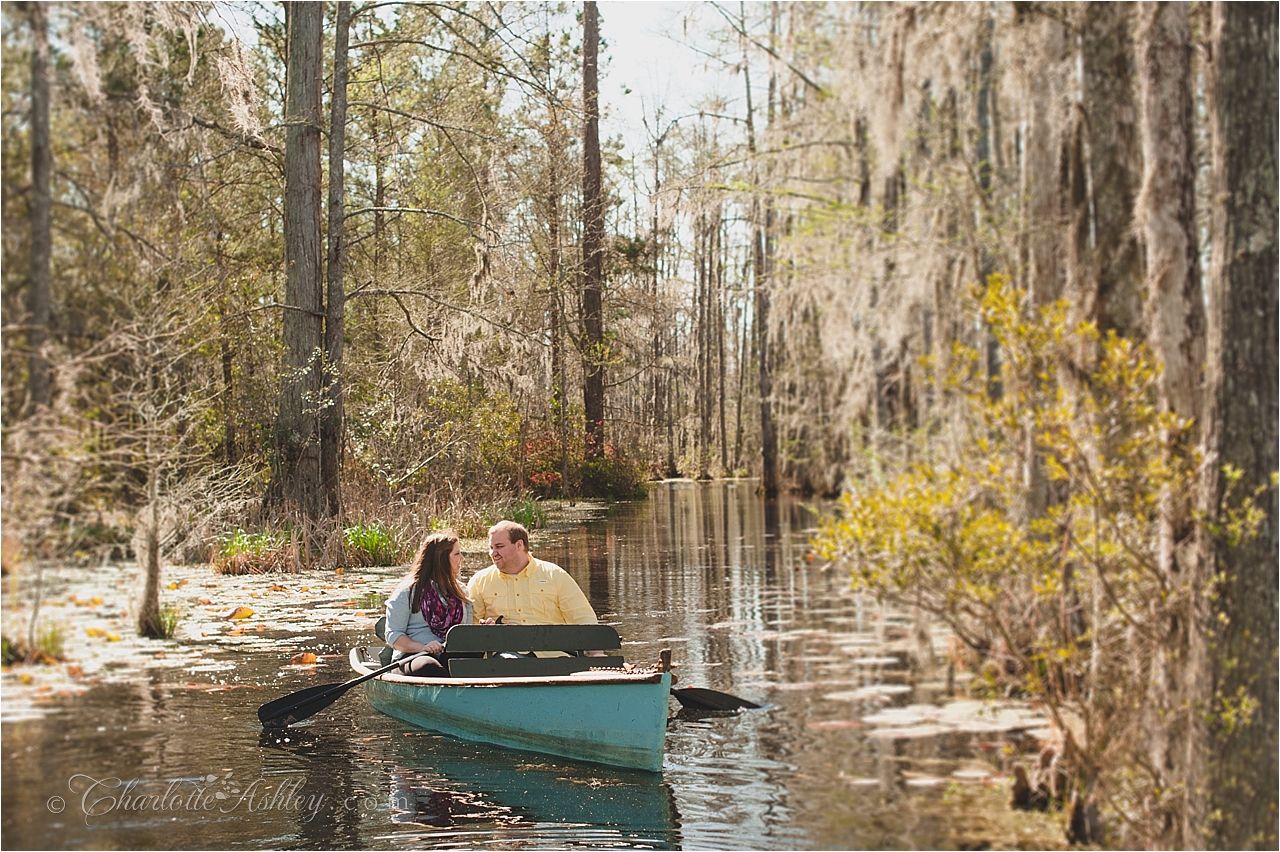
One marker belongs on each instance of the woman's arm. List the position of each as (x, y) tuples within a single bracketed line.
[(404, 643), (398, 616)]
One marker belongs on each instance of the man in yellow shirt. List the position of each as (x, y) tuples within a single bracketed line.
[(522, 589)]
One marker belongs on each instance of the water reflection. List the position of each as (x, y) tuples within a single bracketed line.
[(441, 783), (707, 569)]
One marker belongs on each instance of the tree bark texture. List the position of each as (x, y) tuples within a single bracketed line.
[(1042, 172), (331, 423), (592, 239), (1115, 162), (1243, 412), (296, 482), (1175, 327), (1166, 206), (38, 294)]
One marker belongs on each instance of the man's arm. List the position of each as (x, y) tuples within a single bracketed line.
[(478, 610), (574, 606)]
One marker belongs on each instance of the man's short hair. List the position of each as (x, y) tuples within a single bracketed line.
[(515, 532)]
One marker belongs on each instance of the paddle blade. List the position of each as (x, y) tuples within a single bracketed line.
[(300, 705), (697, 698)]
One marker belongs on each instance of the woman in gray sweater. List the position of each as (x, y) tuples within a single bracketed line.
[(426, 604)]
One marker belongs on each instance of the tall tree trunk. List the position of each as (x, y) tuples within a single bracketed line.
[(703, 247), (761, 233), (331, 424), (718, 284), (150, 624), (39, 372), (1242, 412), (592, 239), (1176, 328), (1115, 290), (1042, 163), (555, 295), (295, 475)]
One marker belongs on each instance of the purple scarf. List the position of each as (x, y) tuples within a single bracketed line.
[(441, 612)]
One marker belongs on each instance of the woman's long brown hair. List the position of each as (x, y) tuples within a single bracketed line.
[(431, 565)]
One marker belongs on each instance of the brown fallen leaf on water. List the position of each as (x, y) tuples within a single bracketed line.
[(238, 613), (74, 670), (277, 588), (204, 601), (304, 659), (239, 631)]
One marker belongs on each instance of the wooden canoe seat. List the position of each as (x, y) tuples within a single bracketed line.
[(493, 639)]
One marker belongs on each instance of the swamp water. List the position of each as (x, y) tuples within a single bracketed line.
[(156, 745)]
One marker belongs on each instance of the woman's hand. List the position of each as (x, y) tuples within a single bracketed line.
[(433, 647)]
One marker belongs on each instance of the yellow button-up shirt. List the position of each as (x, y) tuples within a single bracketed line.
[(542, 593)]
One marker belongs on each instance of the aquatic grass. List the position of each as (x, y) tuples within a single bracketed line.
[(49, 648), (528, 511), (170, 617), (243, 552), (371, 601), (372, 544), (51, 642)]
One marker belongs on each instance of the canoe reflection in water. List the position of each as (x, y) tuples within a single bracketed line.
[(413, 800), (445, 783)]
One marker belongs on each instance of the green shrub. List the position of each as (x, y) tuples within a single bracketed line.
[(371, 544), (1060, 594), (613, 476)]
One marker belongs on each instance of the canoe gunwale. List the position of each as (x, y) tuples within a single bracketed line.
[(593, 677)]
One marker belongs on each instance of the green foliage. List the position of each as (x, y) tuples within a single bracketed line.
[(371, 544), (445, 432), (1033, 526)]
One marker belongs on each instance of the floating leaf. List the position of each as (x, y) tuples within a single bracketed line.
[(95, 632), (95, 601), (113, 637), (304, 659), (277, 588), (238, 613)]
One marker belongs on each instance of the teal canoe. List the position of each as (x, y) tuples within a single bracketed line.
[(616, 717)]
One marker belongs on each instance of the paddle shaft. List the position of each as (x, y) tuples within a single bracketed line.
[(316, 698)]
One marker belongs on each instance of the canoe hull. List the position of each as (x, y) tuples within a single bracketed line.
[(610, 721)]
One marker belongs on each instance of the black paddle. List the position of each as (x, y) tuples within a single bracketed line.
[(697, 698), (305, 703)]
